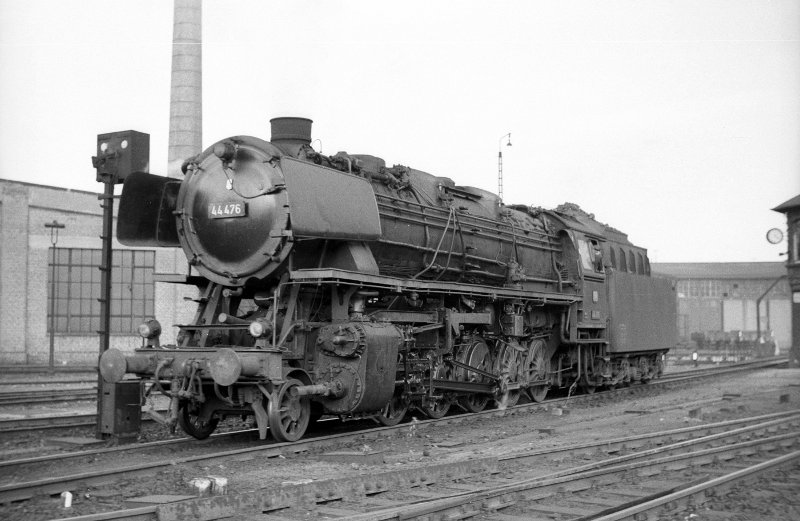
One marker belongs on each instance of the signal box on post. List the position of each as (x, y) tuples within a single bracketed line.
[(119, 154)]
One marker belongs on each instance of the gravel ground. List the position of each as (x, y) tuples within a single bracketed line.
[(773, 497)]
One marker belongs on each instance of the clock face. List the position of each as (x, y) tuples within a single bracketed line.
[(774, 236)]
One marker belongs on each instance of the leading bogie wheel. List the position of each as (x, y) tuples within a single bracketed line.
[(190, 420), (394, 411), (288, 413)]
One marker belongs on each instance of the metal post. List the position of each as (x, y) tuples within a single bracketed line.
[(105, 286), (500, 174), (52, 363), (500, 164), (758, 307), (54, 227), (119, 155)]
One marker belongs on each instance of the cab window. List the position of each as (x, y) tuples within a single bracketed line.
[(586, 256), (591, 255)]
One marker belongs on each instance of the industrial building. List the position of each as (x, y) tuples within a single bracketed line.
[(48, 288), (718, 299)]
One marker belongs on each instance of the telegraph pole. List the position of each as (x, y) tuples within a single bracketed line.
[(53, 227)]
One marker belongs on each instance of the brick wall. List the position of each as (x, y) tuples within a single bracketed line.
[(13, 270), (24, 254)]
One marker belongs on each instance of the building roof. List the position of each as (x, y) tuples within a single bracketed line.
[(49, 187), (794, 202), (720, 270)]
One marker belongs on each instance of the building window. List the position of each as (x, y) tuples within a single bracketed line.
[(613, 258), (705, 288), (77, 289), (623, 266)]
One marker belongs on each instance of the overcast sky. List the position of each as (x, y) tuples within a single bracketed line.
[(677, 122)]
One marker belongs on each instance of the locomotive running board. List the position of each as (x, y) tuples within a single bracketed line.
[(398, 285)]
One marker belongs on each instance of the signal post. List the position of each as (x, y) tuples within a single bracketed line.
[(119, 154)]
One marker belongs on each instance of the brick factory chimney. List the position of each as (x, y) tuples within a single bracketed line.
[(186, 91), (185, 141)]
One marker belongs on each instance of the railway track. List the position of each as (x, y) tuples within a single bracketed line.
[(22, 398), (621, 487), (151, 459), (18, 425), (44, 475), (722, 370), (45, 423), (40, 380), (624, 473)]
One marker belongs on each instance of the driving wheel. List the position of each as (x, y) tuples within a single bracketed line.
[(479, 357), (537, 367), (509, 364)]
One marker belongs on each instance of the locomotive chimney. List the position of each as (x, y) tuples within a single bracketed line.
[(290, 134)]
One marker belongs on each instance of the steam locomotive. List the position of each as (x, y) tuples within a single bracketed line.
[(337, 285)]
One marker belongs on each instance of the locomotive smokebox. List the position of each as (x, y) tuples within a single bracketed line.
[(289, 134)]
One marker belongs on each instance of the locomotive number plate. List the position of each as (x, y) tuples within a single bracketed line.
[(225, 210)]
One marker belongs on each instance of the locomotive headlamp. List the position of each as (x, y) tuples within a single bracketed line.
[(150, 331), (259, 328)]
